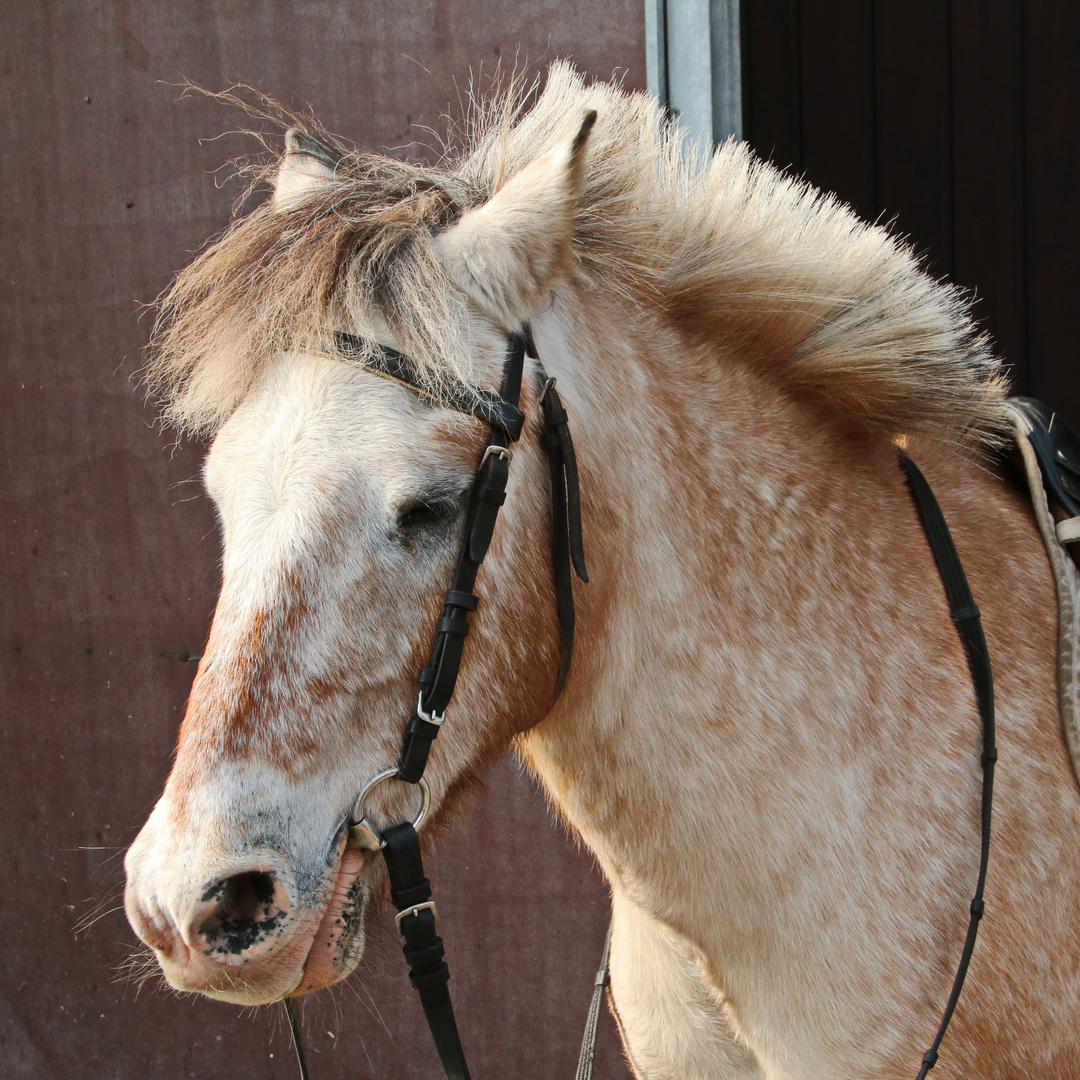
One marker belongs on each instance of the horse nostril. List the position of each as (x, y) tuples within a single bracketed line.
[(245, 911)]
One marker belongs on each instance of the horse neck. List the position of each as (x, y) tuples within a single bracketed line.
[(735, 543)]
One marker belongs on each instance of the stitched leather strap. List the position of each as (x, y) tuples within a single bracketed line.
[(567, 546), (423, 948), (965, 614), (500, 412), (439, 677), (409, 888)]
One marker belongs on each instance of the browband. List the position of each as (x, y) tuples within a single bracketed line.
[(485, 405)]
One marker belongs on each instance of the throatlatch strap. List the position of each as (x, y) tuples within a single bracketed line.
[(969, 626), (567, 547), (423, 949)]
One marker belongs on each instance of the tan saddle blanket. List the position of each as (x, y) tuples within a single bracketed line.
[(1056, 534)]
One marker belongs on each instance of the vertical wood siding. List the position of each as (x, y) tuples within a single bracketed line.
[(957, 121)]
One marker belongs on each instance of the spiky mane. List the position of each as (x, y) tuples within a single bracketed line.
[(730, 250)]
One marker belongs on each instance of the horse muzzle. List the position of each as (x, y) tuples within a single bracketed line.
[(251, 935)]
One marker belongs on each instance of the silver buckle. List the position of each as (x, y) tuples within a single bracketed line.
[(499, 451), (438, 719), (363, 832), (547, 386), (415, 910)]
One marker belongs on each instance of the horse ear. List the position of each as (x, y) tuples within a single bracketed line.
[(508, 254), (307, 165)]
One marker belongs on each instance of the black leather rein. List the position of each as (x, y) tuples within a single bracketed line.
[(400, 845), (966, 617)]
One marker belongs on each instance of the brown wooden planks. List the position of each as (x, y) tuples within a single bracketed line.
[(912, 60), (988, 170), (772, 110), (838, 99), (973, 140)]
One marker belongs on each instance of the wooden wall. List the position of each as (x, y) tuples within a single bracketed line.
[(110, 550), (957, 119)]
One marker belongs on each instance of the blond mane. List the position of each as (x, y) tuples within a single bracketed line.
[(730, 250)]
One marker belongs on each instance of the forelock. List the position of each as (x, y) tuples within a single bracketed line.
[(353, 253)]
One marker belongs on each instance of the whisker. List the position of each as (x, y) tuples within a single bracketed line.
[(87, 922)]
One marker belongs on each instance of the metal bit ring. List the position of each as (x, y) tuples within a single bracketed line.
[(363, 832)]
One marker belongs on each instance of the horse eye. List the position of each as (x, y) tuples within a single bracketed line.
[(422, 514)]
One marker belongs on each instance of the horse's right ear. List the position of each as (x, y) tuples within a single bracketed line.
[(508, 254), (307, 165)]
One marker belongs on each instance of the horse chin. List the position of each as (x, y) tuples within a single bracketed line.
[(244, 981), (338, 943)]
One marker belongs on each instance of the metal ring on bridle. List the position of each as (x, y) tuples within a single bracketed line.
[(358, 822)]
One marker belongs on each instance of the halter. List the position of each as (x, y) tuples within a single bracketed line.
[(400, 845)]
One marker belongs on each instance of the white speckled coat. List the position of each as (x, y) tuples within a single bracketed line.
[(768, 736)]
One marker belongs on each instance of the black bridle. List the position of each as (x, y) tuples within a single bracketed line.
[(410, 890), (488, 493)]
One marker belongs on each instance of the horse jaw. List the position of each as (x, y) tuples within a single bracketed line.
[(508, 254)]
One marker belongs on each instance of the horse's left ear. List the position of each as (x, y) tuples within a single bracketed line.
[(307, 165), (507, 254)]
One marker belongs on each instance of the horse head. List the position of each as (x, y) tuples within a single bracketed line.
[(341, 497)]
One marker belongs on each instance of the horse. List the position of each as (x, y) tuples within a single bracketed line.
[(767, 735)]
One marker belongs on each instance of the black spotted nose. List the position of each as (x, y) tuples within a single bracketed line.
[(240, 914)]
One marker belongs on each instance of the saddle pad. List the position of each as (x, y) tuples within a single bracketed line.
[(1066, 579)]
